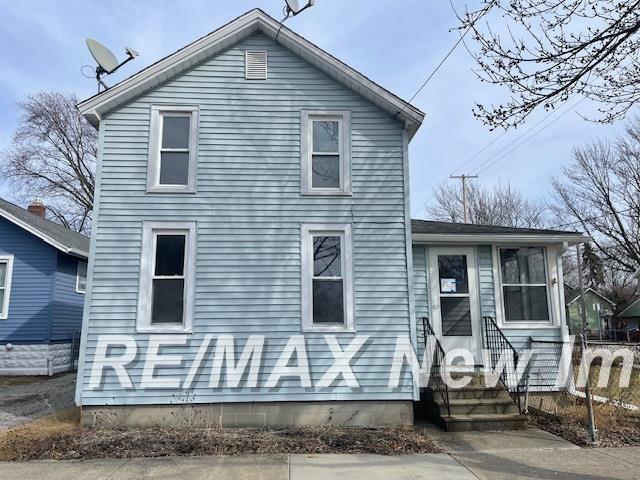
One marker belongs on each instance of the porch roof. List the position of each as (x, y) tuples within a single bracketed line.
[(432, 231)]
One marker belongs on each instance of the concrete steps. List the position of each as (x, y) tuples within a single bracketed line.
[(482, 422), (473, 407)]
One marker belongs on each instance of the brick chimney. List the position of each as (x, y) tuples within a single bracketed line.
[(37, 207)]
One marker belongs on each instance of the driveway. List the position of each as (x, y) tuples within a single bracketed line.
[(23, 399)]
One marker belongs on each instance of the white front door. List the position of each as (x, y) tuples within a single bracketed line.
[(455, 307)]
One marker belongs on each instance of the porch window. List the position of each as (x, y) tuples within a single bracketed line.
[(326, 155), (6, 267), (327, 277), (166, 288), (524, 284), (172, 152)]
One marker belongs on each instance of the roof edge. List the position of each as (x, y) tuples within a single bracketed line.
[(43, 236), (254, 20), (592, 291), (478, 238), (632, 304)]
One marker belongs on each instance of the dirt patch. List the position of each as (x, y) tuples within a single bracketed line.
[(21, 380), (613, 430), (64, 440)]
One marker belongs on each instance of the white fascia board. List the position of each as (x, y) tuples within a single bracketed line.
[(43, 236), (479, 239), (231, 33), (595, 293), (623, 313)]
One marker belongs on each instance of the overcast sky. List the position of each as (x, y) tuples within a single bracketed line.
[(397, 44)]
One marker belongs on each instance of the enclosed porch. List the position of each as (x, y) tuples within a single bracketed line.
[(483, 292)]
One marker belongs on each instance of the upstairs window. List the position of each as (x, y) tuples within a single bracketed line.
[(326, 153), (6, 267), (327, 277), (523, 278), (81, 277), (172, 153), (166, 277)]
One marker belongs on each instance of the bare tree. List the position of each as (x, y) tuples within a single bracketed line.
[(52, 156), (546, 51), (600, 194), (500, 205)]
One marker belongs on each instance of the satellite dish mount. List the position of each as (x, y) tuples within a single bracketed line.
[(292, 8), (106, 60)]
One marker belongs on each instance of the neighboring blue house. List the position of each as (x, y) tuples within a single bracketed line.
[(43, 269), (252, 185)]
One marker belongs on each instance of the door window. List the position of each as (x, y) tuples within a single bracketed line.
[(455, 303)]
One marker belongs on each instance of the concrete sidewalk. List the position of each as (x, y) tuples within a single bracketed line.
[(528, 454), (250, 467), (571, 464)]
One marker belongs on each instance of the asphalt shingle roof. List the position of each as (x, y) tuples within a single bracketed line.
[(74, 241)]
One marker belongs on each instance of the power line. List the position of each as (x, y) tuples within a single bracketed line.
[(588, 219), (480, 168), (478, 152), (455, 45)]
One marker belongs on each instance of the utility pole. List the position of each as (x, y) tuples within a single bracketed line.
[(464, 179)]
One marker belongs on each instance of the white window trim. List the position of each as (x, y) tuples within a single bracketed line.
[(149, 232), (306, 141), (78, 277), (155, 140), (8, 259), (550, 273), (343, 230)]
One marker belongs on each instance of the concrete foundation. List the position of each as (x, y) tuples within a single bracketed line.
[(258, 414), (47, 359)]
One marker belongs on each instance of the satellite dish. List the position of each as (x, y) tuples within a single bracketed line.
[(293, 6), (102, 55), (106, 60)]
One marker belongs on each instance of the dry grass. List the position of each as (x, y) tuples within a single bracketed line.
[(17, 441), (614, 430), (64, 439)]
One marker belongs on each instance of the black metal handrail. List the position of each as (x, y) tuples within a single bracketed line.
[(497, 344), (438, 362)]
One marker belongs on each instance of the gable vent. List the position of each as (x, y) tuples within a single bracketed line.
[(255, 65)]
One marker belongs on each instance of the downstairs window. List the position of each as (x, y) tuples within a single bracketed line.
[(166, 277), (327, 272), (523, 278)]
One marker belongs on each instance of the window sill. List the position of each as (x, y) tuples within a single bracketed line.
[(329, 330), (156, 190), (527, 325), (325, 193), (163, 329)]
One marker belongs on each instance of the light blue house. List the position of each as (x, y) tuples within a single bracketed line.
[(43, 269), (253, 257)]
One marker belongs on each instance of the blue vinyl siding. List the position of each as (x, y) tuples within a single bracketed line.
[(34, 264), (249, 213), (67, 303)]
